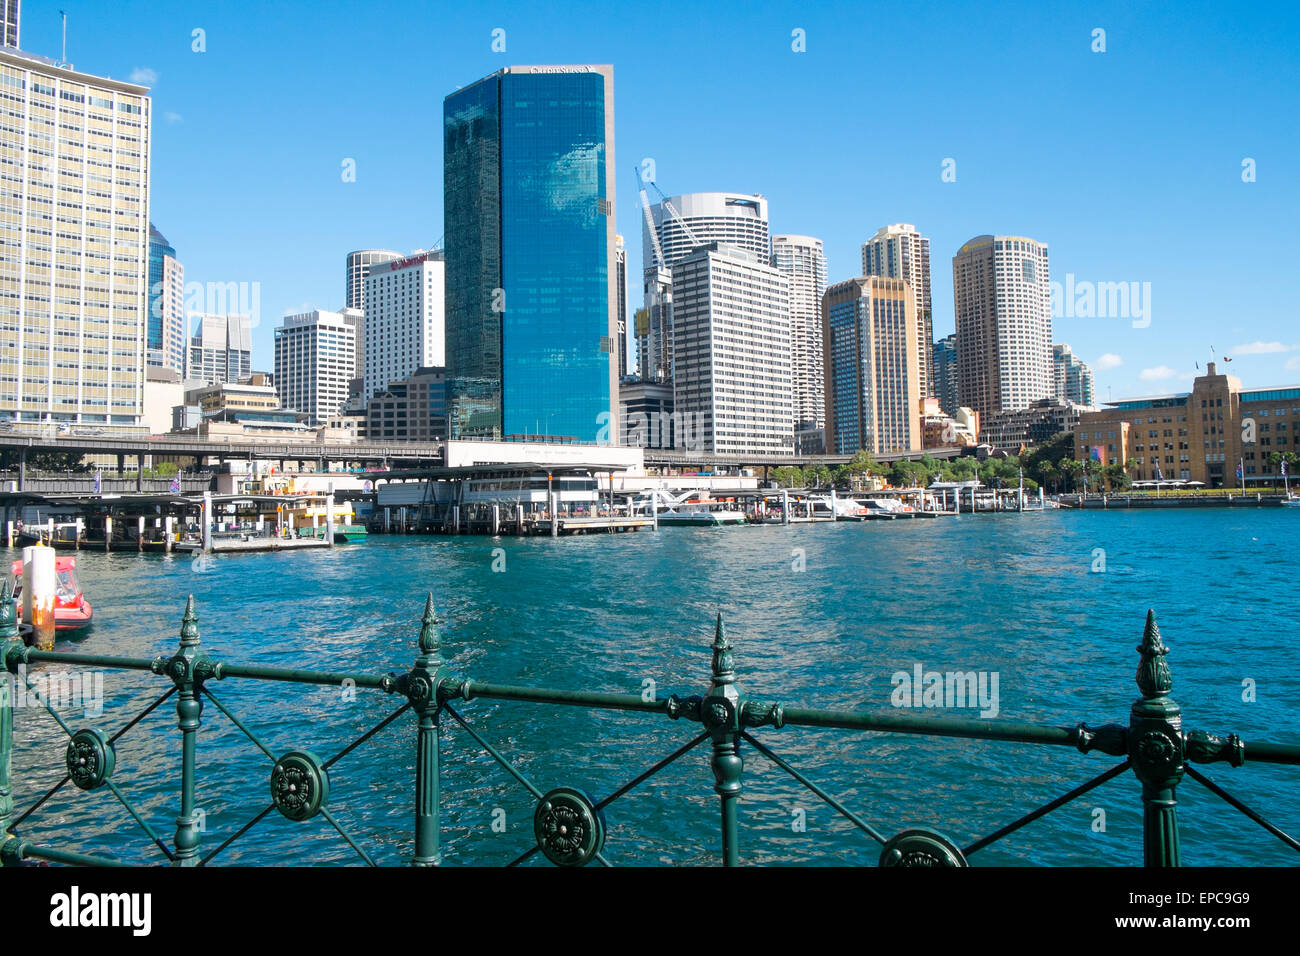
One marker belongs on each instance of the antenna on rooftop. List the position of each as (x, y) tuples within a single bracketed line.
[(63, 60)]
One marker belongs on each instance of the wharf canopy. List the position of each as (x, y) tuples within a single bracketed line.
[(578, 487)]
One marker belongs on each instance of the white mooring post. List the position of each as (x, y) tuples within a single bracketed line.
[(81, 527), (496, 521), (9, 532), (39, 585), (167, 534), (785, 506), (207, 522), (329, 515), (108, 533), (555, 514)]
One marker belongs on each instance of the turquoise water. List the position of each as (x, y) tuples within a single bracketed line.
[(1014, 595)]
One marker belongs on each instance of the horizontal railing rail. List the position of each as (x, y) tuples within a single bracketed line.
[(569, 825)]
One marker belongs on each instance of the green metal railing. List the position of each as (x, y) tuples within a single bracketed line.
[(568, 825)]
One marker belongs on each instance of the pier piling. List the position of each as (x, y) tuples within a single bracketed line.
[(39, 585)]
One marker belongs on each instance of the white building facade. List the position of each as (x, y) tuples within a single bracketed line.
[(358, 267), (221, 348), (405, 319), (732, 388), (739, 220), (315, 360), (74, 232), (804, 261)]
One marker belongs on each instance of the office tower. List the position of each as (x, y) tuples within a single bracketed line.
[(944, 369), (900, 252), (165, 339), (681, 224), (315, 360), (1003, 306), (10, 11), (1071, 378), (620, 260), (732, 387), (359, 263), (404, 319), (74, 253), (221, 349), (413, 409), (532, 288), (802, 259), (873, 395)]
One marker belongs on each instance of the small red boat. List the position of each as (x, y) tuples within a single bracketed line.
[(72, 611)]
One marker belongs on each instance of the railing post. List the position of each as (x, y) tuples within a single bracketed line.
[(1156, 750), (187, 669), (9, 639), (422, 691), (720, 713)]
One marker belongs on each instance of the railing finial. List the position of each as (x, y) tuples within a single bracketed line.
[(1153, 676), (724, 666), (429, 627), (190, 625)]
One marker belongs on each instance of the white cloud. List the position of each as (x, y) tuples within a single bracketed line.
[(1157, 374), (144, 76), (1262, 348), (172, 117), (1293, 364), (300, 308), (1108, 361)]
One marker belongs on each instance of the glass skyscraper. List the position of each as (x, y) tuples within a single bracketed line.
[(531, 289)]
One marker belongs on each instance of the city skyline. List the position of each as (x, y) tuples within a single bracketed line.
[(1122, 191)]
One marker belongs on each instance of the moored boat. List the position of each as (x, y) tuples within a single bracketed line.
[(72, 612)]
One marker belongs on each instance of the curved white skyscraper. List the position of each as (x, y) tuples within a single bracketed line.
[(738, 220), (359, 263)]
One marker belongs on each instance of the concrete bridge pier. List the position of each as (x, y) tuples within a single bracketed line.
[(139, 472), (22, 468)]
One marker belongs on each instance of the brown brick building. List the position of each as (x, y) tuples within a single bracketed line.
[(1199, 435)]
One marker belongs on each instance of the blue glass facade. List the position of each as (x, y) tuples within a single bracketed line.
[(529, 238), (158, 250)]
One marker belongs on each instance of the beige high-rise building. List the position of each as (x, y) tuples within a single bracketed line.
[(900, 252), (74, 236), (872, 366), (1003, 305)]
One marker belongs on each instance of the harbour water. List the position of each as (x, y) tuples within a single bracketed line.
[(1030, 598)]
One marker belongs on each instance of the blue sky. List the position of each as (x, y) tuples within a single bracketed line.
[(1128, 163)]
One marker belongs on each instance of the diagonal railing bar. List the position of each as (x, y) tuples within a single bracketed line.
[(1232, 801), (1047, 808), (509, 767), (237, 834), (143, 714), (367, 735), (116, 792), (324, 811), (835, 804), (113, 739), (67, 778), (138, 819), (50, 710), (680, 751), (524, 856), (236, 721)]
